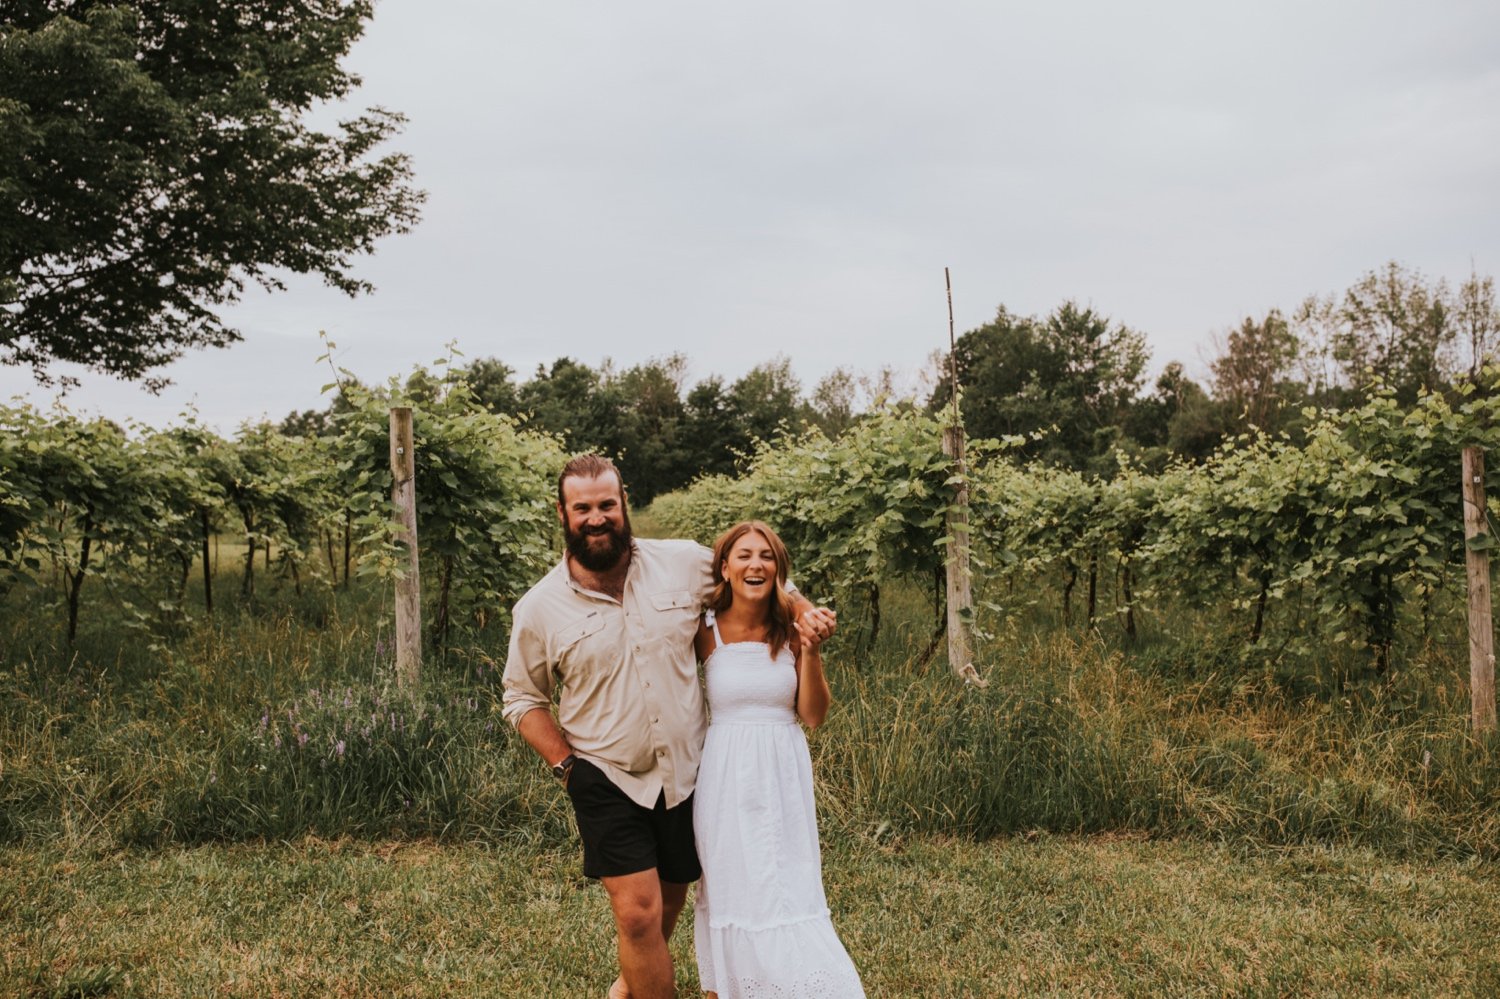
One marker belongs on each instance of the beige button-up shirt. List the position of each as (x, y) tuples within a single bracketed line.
[(629, 701)]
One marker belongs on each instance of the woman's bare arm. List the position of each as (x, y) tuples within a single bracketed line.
[(813, 695)]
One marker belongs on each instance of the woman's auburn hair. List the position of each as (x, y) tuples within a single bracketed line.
[(780, 632)]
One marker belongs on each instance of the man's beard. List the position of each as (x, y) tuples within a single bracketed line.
[(595, 558)]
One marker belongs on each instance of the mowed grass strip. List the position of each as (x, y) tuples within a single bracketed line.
[(922, 917)]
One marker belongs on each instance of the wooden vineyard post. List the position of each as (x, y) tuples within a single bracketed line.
[(1477, 559), (960, 591), (960, 584), (408, 586)]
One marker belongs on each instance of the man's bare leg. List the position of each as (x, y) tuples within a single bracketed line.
[(673, 897), (640, 916)]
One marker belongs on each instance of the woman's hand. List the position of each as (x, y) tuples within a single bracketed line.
[(813, 695), (815, 626)]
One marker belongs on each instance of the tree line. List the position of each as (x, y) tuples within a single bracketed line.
[(1073, 383), (1070, 386), (666, 432)]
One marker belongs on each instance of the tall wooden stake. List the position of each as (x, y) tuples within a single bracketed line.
[(960, 589), (408, 587), (1481, 631)]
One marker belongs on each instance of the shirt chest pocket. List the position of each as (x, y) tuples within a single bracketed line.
[(577, 645), (675, 615)]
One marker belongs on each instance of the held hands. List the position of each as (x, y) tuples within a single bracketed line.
[(814, 626)]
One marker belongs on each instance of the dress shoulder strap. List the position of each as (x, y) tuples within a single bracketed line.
[(713, 625)]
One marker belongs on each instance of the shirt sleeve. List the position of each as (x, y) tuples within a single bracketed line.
[(705, 575), (527, 682)]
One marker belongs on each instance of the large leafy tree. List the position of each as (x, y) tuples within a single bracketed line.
[(1398, 328), (154, 158), (656, 453), (712, 428), (575, 402), (1071, 376), (1254, 374), (767, 399)]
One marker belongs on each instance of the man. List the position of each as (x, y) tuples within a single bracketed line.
[(612, 626)]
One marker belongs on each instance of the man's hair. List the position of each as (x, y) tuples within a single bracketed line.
[(588, 466)]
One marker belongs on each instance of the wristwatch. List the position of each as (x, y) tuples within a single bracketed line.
[(561, 767)]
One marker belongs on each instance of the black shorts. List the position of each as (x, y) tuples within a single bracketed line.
[(621, 837)]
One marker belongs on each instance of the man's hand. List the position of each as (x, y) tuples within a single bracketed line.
[(817, 624)]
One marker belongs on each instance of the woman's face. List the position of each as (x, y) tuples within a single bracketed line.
[(750, 568)]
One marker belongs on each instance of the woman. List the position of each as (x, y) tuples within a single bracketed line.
[(761, 922)]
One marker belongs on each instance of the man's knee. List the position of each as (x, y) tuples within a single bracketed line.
[(637, 904)]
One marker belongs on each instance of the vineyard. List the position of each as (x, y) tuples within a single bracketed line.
[(1340, 539), (1268, 644), (1247, 672), (1295, 546), (91, 511)]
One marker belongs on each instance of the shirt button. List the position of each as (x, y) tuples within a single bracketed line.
[(656, 721), (647, 683), (661, 752)]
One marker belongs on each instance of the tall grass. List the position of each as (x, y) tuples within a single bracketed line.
[(278, 718), (1076, 734), (262, 722)]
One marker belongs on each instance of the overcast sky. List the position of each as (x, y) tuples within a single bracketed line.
[(735, 182)]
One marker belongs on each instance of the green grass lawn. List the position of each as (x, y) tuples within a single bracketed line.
[(239, 805), (1041, 915)]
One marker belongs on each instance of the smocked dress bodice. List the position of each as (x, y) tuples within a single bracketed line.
[(747, 686)]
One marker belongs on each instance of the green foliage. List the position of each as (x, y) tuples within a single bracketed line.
[(712, 504), (1067, 382), (85, 503), (155, 158), (1321, 539), (487, 522), (280, 487), (1254, 376), (351, 759), (232, 729), (858, 510), (1395, 328), (82, 501)]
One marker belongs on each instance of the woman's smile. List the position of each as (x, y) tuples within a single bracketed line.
[(750, 567)]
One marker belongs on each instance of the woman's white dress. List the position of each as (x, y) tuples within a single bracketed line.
[(761, 925)]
